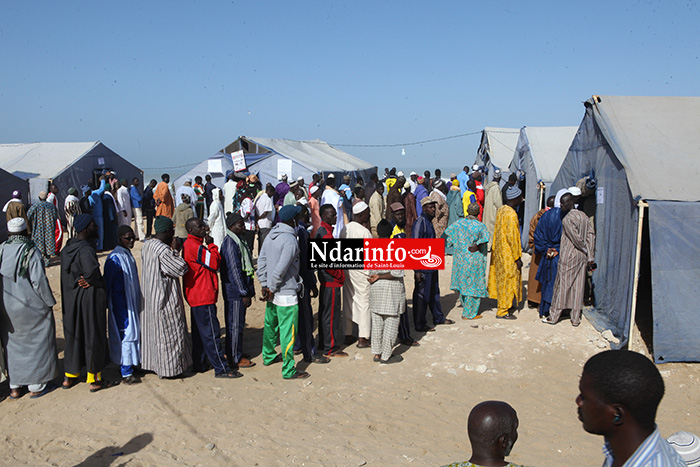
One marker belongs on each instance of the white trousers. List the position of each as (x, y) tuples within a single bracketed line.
[(138, 219)]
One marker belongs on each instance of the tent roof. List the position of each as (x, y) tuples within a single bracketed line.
[(548, 147), (46, 160), (315, 154), (502, 143), (653, 135)]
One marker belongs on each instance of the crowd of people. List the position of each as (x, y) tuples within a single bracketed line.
[(200, 238), (198, 235)]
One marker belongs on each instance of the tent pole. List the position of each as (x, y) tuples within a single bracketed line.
[(542, 188), (641, 205)]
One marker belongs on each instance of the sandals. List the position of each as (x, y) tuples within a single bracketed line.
[(245, 363), (47, 389), (69, 382), (231, 374), (447, 321), (508, 316), (299, 375), (377, 358), (320, 359), (277, 359), (102, 384)]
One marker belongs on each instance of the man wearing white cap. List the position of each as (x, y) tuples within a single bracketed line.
[(331, 196), (356, 286), (413, 181), (28, 301)]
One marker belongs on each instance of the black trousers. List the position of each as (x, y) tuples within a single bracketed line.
[(150, 214), (305, 342), (206, 340), (330, 323), (426, 294)]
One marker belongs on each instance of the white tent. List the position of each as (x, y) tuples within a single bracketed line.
[(270, 157), (538, 156), (496, 149)]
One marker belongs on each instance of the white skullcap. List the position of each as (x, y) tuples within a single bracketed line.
[(359, 207), (16, 225), (302, 202), (412, 174), (300, 179), (313, 189), (687, 445), (331, 175), (400, 174), (475, 167), (575, 191)]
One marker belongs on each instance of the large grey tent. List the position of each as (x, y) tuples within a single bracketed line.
[(66, 164), (538, 155), (496, 149), (8, 184), (644, 149), (268, 157)]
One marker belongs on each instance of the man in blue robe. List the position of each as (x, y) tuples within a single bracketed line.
[(547, 239), (124, 303)]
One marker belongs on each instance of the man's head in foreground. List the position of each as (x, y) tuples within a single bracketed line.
[(493, 430)]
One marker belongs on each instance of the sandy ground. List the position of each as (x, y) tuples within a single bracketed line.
[(351, 412)]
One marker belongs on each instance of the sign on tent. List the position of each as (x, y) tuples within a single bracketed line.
[(238, 159)]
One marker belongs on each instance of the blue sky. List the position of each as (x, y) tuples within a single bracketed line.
[(166, 84)]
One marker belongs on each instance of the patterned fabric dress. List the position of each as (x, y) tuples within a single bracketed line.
[(468, 269), (166, 347), (42, 216), (505, 281)]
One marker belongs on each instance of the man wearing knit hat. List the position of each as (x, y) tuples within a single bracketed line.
[(278, 272), (27, 300), (356, 286), (84, 299), (237, 287), (42, 218), (505, 281), (166, 348)]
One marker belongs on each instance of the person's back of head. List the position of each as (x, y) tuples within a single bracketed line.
[(492, 427), (384, 229), (471, 186), (550, 201)]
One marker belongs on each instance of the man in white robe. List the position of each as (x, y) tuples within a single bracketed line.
[(356, 286), (124, 203)]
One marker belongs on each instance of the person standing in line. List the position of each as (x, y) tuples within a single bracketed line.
[(387, 302), (505, 281), (72, 208), (399, 231), (15, 208), (110, 212), (208, 191), (137, 207), (547, 240), (281, 191), (442, 212), (470, 239), (247, 212), (264, 213), (492, 203), (480, 192), (149, 207), (201, 287), (166, 348), (305, 344), (330, 322), (356, 287), (183, 213), (199, 192), (229, 193), (237, 273), (124, 304), (534, 287), (315, 208), (377, 208), (97, 211), (576, 258), (124, 203), (217, 224), (426, 293), (165, 206), (334, 198), (42, 217), (29, 332), (409, 202), (393, 195), (455, 209), (278, 272), (58, 232), (84, 300), (419, 193)]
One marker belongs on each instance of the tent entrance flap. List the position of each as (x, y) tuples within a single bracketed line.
[(674, 228)]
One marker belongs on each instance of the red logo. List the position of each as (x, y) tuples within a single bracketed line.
[(404, 253)]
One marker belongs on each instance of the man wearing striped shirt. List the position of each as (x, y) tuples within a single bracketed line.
[(620, 391)]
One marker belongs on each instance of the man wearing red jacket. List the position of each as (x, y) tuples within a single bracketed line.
[(201, 288), (330, 322), (480, 193)]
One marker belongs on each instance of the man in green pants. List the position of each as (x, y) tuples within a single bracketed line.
[(278, 272)]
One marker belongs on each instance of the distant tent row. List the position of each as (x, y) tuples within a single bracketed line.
[(65, 164), (270, 157)]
